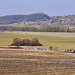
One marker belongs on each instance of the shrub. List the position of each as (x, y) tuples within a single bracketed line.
[(26, 42), (51, 47), (35, 42), (17, 42)]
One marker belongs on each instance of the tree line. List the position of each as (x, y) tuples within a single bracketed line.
[(40, 29)]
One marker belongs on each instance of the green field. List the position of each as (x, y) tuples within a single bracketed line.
[(59, 40)]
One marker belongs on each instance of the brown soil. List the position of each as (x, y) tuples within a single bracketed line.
[(10, 47), (24, 62)]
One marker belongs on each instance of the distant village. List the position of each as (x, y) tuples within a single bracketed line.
[(54, 20)]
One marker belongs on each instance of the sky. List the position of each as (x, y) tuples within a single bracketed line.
[(49, 7)]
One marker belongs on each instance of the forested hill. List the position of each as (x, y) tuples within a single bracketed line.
[(37, 19), (19, 18)]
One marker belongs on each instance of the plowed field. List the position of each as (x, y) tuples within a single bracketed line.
[(24, 62)]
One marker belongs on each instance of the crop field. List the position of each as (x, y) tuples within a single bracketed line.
[(51, 34), (59, 40), (30, 62), (66, 41), (26, 62)]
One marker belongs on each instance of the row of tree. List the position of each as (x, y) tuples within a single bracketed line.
[(26, 42), (35, 29)]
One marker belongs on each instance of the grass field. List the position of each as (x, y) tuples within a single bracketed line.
[(24, 62), (59, 40), (51, 34)]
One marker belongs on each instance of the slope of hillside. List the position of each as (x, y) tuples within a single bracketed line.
[(37, 19), (19, 18)]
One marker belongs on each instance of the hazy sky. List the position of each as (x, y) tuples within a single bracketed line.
[(49, 7)]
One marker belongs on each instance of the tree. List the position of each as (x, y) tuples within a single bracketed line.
[(17, 42), (51, 47), (35, 41), (26, 42)]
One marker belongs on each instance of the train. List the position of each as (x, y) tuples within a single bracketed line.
[(70, 50), (56, 50)]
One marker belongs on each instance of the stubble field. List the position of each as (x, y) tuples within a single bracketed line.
[(24, 62)]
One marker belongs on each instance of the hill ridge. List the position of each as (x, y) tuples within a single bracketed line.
[(19, 18), (38, 19)]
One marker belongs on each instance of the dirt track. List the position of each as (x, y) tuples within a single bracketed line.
[(23, 62)]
